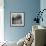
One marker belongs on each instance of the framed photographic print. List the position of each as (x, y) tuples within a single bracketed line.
[(17, 19)]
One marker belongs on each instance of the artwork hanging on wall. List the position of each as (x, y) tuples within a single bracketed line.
[(17, 19)]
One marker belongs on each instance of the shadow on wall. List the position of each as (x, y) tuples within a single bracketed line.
[(26, 6)]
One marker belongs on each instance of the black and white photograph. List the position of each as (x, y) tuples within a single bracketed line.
[(17, 19)]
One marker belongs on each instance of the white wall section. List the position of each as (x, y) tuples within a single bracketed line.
[(1, 20)]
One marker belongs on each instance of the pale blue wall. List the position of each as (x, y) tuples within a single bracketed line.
[(29, 7), (43, 6)]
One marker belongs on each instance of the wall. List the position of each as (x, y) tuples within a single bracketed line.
[(1, 21), (43, 6), (29, 7)]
